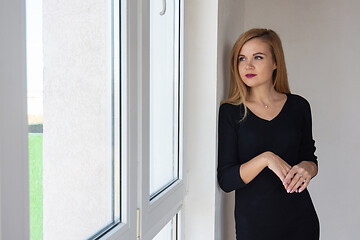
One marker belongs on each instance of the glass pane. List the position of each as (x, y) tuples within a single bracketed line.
[(164, 81), (74, 117), (168, 232), (35, 116)]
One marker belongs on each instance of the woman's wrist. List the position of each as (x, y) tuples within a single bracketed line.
[(312, 168), (267, 158)]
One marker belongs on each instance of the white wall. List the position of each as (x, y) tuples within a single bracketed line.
[(77, 145), (14, 204), (321, 42), (199, 149)]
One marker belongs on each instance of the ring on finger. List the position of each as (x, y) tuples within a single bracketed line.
[(300, 175)]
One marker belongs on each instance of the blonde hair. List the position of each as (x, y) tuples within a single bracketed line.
[(238, 90)]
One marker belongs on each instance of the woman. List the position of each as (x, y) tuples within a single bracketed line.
[(266, 148)]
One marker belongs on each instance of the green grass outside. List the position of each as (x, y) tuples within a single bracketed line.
[(36, 185)]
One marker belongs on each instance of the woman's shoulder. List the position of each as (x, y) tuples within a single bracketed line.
[(298, 99), (299, 102), (234, 111), (230, 107)]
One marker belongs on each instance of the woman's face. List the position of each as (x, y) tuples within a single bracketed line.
[(255, 63)]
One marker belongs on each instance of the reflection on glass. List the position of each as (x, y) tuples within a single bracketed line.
[(35, 115), (164, 97)]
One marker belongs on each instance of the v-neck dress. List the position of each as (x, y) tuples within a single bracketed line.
[(263, 208)]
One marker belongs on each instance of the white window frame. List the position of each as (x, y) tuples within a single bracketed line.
[(127, 229), (14, 170), (155, 214)]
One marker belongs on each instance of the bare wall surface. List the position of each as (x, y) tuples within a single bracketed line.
[(199, 122), (321, 43)]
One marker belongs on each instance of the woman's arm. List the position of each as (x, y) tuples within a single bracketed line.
[(300, 175), (228, 162), (250, 169), (231, 175)]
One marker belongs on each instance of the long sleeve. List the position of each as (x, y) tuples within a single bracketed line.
[(263, 203), (228, 165), (307, 148)]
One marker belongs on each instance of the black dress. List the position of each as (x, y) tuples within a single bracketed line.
[(263, 208)]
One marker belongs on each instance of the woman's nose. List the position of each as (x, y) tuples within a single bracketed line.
[(249, 65)]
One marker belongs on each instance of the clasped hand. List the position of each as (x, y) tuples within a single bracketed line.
[(294, 179)]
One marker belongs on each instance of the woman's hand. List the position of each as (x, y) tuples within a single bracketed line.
[(277, 165), (299, 176)]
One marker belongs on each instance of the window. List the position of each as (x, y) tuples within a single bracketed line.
[(99, 135), (163, 99), (162, 186), (74, 118)]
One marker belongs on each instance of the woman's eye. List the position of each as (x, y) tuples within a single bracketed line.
[(258, 57), (241, 59)]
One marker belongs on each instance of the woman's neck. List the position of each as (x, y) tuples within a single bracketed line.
[(264, 95)]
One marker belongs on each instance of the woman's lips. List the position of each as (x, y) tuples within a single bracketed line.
[(250, 75)]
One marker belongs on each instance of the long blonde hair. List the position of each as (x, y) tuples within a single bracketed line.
[(238, 90)]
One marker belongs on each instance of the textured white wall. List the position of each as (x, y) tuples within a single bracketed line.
[(321, 42), (77, 118), (230, 26)]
